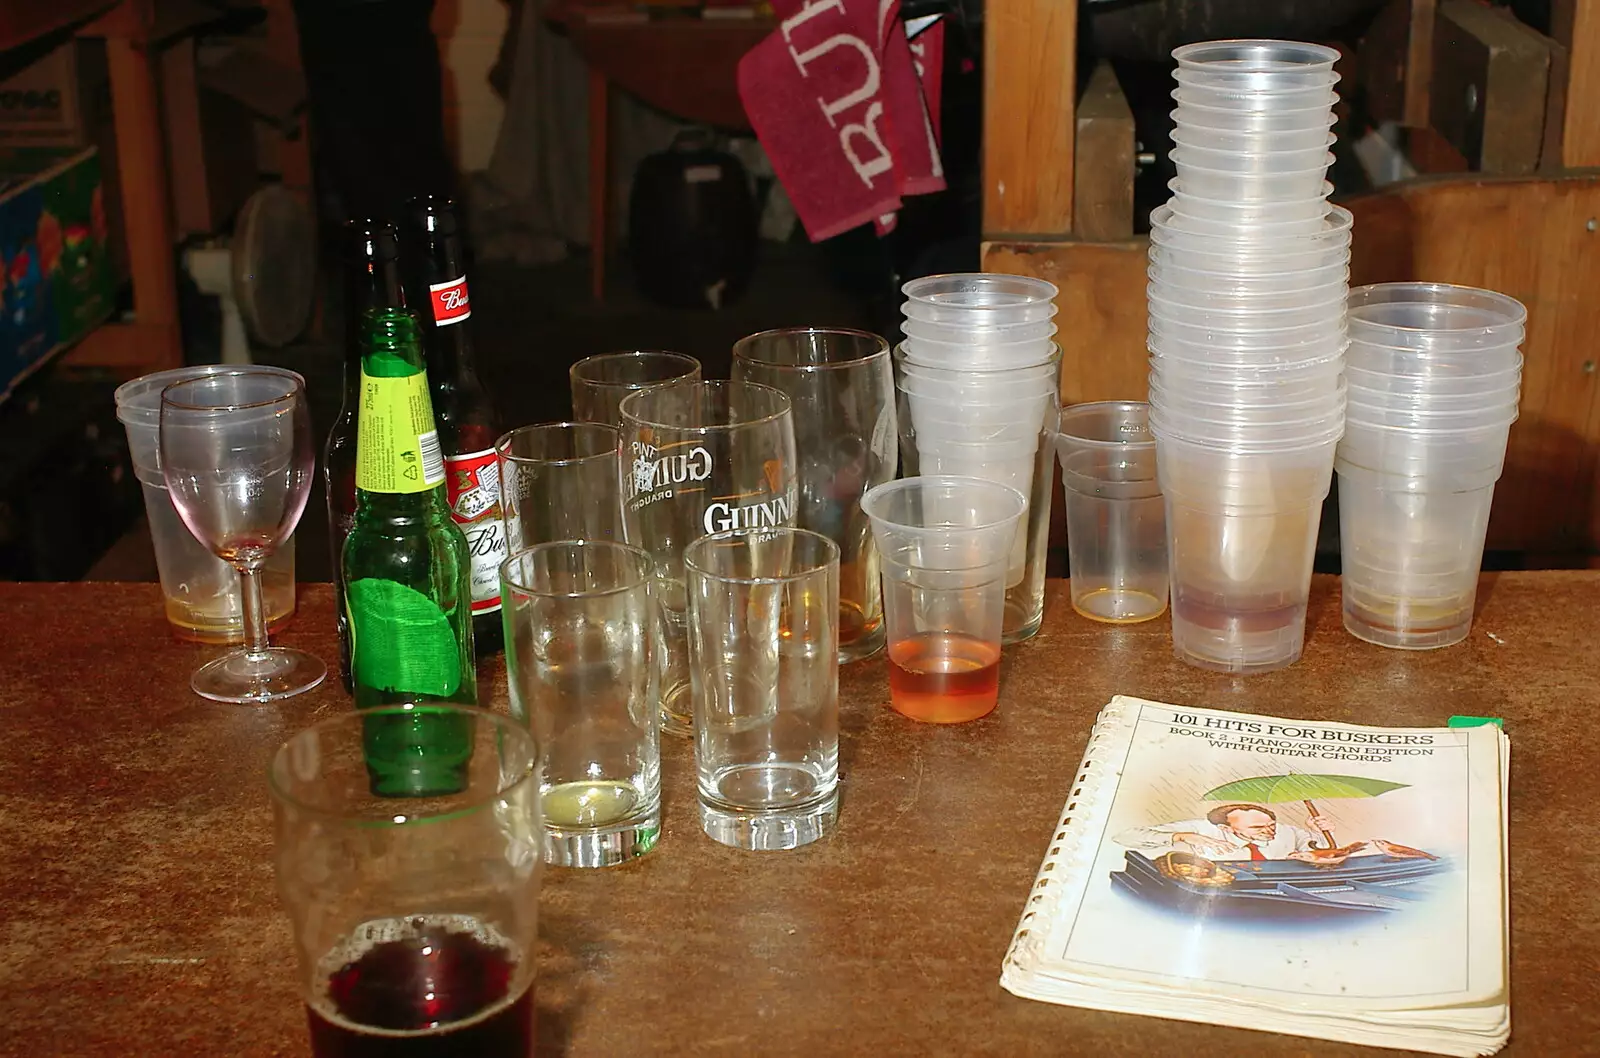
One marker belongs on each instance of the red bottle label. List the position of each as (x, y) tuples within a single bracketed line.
[(473, 482), (450, 301)]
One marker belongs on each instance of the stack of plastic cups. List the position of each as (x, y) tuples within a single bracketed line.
[(978, 376), (1435, 375), (1249, 269)]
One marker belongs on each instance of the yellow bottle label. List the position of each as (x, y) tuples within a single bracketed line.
[(397, 447)]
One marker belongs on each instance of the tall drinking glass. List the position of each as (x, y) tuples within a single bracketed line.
[(698, 458), (414, 918), (764, 644), (841, 386), (558, 481), (237, 458), (600, 382), (579, 623)]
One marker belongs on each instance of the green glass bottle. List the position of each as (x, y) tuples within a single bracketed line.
[(407, 572)]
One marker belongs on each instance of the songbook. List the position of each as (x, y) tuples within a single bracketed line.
[(1326, 880)]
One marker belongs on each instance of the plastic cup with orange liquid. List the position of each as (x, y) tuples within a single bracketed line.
[(944, 541)]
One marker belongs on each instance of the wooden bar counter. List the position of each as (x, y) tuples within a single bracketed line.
[(141, 918)]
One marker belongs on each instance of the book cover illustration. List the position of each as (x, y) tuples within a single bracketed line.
[(1269, 858)]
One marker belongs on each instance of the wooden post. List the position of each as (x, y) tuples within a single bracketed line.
[(599, 179), (1029, 89), (1576, 24), (1419, 63), (1102, 198)]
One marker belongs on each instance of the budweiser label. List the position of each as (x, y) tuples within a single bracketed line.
[(474, 486), (450, 302)]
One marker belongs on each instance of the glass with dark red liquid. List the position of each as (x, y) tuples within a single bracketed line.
[(385, 968)]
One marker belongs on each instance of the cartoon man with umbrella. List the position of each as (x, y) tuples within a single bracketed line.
[(1243, 827)]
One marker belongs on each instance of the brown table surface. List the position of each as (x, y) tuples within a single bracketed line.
[(141, 920)]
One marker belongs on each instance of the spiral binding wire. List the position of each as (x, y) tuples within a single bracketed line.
[(1068, 855)]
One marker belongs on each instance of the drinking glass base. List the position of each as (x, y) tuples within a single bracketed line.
[(677, 711), (245, 677), (865, 646), (1117, 605), (604, 846), (1371, 629), (772, 829)]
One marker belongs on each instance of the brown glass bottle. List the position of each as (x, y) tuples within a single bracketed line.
[(372, 281), (436, 281)]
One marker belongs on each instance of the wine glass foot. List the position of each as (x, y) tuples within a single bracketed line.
[(277, 672)]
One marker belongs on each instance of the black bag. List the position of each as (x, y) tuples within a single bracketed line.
[(692, 225)]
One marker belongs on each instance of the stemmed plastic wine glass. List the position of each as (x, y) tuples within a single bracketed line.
[(237, 457)]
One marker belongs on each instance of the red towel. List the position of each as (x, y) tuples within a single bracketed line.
[(836, 99)]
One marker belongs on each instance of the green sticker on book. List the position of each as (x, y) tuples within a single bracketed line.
[(1476, 721)]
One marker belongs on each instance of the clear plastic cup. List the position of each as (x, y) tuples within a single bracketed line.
[(1250, 265), (1194, 114), (1365, 402), (1250, 163), (980, 333), (1240, 478), (1334, 235), (1322, 371), (958, 356), (1186, 203), (1434, 455), (1245, 441), (1443, 384), (1435, 316), (1413, 363), (1180, 288), (1228, 335), (1223, 404), (1116, 518), (1257, 220), (1238, 353), (927, 423), (1255, 82), (1285, 59), (964, 297), (1424, 417), (1198, 281), (944, 542), (1242, 529), (1259, 100), (977, 385), (1186, 135), (1211, 392), (1262, 186), (204, 602), (1329, 310), (1240, 582), (1410, 553)]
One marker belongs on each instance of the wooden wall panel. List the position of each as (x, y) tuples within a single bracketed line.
[(1029, 94), (1101, 311), (1576, 24), (1536, 241), (1529, 238)]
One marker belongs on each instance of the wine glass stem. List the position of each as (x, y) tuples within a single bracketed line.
[(255, 624)]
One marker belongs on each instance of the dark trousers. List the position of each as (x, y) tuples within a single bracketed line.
[(377, 105)]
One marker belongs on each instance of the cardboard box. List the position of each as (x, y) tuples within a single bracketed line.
[(55, 102), (56, 276)]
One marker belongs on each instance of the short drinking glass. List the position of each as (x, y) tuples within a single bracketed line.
[(414, 918), (579, 625), (600, 382), (764, 651), (237, 458), (558, 481)]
